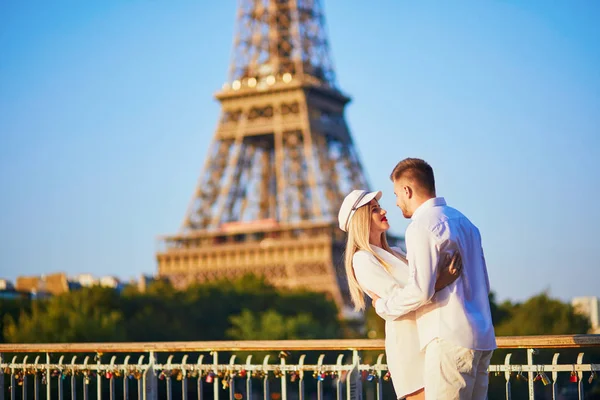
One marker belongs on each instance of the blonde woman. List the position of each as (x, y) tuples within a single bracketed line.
[(373, 266)]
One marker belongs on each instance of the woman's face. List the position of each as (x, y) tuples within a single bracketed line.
[(379, 222)]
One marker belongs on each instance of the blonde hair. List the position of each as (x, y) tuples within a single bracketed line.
[(358, 239)]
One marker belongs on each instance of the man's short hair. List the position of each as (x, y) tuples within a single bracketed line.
[(417, 171)]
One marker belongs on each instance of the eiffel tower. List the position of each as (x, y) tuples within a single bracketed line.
[(281, 161)]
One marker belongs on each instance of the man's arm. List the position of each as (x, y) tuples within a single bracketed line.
[(485, 272), (423, 258)]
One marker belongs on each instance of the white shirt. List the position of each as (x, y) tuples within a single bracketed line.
[(459, 313), (404, 359)]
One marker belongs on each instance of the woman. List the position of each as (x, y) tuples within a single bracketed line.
[(372, 266)]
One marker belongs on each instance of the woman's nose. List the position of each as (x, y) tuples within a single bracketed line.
[(383, 212)]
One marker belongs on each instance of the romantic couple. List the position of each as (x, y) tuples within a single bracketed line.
[(439, 336)]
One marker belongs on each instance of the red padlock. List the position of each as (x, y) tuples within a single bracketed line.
[(293, 376), (210, 377), (573, 378)]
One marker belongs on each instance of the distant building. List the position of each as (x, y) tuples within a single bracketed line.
[(86, 280), (53, 283), (590, 307), (144, 282), (8, 291), (5, 284), (12, 294), (89, 280), (58, 283), (109, 281)]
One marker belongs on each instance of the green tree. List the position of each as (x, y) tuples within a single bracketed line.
[(500, 312), (10, 309), (86, 315), (540, 315), (271, 325), (204, 311), (163, 313), (199, 312)]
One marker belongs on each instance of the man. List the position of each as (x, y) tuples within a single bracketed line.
[(454, 324)]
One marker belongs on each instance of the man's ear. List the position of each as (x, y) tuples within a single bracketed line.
[(409, 192)]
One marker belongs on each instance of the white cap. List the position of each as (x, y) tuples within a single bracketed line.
[(352, 202)]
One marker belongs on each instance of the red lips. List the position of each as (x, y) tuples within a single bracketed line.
[(384, 219)]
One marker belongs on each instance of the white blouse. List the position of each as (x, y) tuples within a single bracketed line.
[(404, 358)]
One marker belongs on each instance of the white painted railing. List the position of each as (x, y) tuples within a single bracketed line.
[(235, 370)]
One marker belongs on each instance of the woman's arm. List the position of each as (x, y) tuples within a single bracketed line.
[(372, 277)]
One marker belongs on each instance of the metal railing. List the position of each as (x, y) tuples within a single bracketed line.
[(196, 369)]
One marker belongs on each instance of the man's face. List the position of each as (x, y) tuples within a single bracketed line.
[(402, 200)]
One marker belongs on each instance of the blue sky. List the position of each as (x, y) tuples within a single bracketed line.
[(106, 114)]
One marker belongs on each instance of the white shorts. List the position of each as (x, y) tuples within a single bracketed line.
[(455, 373)]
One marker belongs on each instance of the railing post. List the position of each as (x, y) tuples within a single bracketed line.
[(379, 372), (199, 384), (36, 385), (73, 379), (48, 377), (36, 380), (530, 353), (140, 378), (248, 378), (353, 382), (554, 375), (216, 378), (167, 377), (126, 372), (580, 377), (60, 382), (24, 380), (319, 379), (86, 378), (111, 380), (98, 376), (267, 394), (338, 383), (230, 378), (12, 387), (283, 380), (301, 377), (184, 382), (149, 377), (507, 372)]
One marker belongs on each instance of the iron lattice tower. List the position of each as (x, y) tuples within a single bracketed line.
[(281, 161)]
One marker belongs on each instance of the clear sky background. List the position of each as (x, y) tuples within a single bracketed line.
[(106, 114)]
